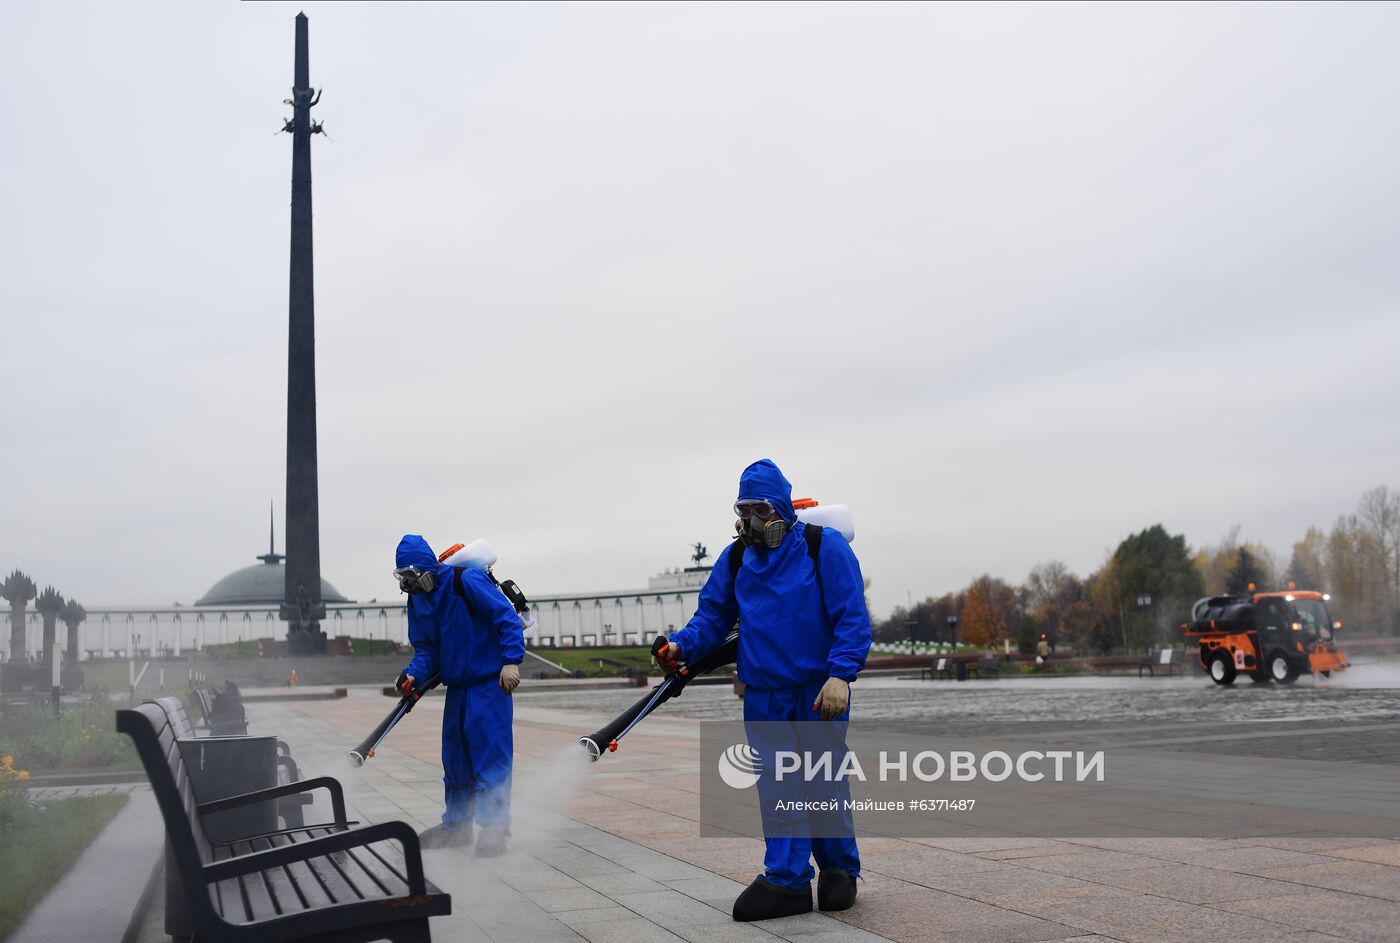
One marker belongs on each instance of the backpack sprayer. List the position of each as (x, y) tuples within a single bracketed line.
[(836, 516), (477, 555)]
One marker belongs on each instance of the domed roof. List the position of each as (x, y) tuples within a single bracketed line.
[(259, 585), (263, 584)]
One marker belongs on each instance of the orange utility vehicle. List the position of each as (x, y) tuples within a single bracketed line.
[(1268, 636)]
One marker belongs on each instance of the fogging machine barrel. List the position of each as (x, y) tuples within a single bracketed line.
[(606, 737), (411, 697)]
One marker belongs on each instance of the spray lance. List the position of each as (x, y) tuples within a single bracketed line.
[(836, 516), (477, 555), (671, 686)]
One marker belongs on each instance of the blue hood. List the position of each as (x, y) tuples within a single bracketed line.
[(763, 480), (414, 551)]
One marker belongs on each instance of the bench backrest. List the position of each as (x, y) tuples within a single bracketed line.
[(179, 717), (157, 745)]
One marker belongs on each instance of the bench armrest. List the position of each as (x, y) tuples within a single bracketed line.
[(285, 762), (276, 792), (339, 841), (281, 831)]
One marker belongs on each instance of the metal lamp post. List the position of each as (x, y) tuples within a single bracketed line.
[(1144, 602)]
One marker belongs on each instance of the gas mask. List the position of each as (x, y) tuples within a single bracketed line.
[(759, 523), (414, 579)]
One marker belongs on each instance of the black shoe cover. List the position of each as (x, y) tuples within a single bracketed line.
[(440, 836), (836, 890), (764, 901), (491, 842)]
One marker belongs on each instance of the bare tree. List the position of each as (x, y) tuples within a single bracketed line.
[(1379, 510)]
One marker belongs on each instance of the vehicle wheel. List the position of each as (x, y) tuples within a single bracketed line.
[(1282, 669), (1222, 669), (1326, 674)]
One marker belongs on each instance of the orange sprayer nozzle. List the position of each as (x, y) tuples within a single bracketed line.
[(612, 747), (371, 753), (799, 504)]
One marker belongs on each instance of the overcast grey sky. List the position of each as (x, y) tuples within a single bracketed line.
[(1011, 281)]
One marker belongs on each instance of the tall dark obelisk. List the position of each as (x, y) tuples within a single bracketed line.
[(302, 607)]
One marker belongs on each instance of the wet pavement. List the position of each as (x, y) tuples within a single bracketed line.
[(612, 851), (1366, 691)]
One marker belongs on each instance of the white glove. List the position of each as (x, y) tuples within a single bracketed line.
[(833, 699), (510, 677)]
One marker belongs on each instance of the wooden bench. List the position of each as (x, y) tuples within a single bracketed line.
[(329, 883), (1106, 663), (938, 669), (1167, 659), (948, 667), (205, 702)]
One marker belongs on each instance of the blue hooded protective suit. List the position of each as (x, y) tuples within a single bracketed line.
[(468, 636), (797, 627)]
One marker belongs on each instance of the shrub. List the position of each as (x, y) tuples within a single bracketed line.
[(83, 736), (15, 806)]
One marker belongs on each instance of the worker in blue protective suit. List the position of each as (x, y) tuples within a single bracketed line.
[(803, 636), (460, 624)]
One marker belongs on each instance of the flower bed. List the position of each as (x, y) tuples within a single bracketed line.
[(81, 738)]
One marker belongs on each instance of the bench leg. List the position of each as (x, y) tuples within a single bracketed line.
[(178, 925)]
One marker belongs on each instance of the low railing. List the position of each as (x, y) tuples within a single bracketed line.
[(564, 621), (174, 631)]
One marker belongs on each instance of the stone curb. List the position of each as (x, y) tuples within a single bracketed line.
[(101, 778)]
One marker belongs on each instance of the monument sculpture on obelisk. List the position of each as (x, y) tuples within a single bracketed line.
[(302, 607)]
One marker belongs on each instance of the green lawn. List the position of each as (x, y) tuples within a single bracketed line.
[(606, 662), (111, 673), (82, 737), (41, 846), (613, 659), (372, 646)]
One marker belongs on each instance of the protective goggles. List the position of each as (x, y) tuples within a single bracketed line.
[(414, 579), (755, 507)]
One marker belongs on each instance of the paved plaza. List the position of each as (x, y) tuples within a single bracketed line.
[(611, 852)]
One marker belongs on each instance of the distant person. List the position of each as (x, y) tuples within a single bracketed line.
[(797, 593), (292, 679), (1042, 650), (460, 624)]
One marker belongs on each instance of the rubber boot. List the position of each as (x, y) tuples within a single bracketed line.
[(764, 901), (492, 841), (440, 836), (836, 890)]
